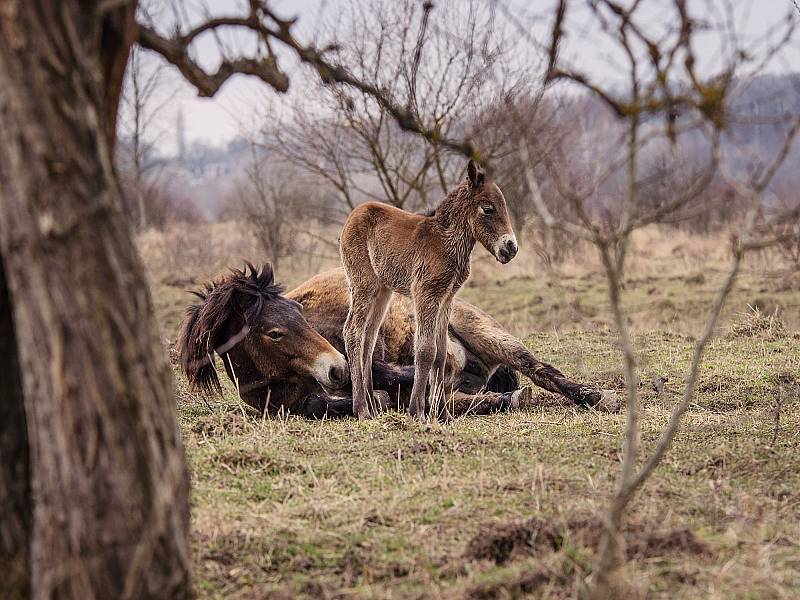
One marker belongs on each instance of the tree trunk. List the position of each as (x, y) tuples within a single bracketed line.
[(15, 504), (108, 478)]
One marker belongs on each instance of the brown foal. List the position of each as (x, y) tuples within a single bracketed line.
[(385, 250)]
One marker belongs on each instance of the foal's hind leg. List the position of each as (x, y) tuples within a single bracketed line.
[(354, 328), (424, 353), (437, 379)]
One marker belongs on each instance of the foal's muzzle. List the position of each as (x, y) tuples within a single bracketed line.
[(506, 248)]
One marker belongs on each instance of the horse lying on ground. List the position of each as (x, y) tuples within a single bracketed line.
[(284, 351), (385, 249)]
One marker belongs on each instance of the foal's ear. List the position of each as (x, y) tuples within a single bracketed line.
[(475, 175)]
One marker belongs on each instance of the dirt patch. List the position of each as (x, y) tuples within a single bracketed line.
[(220, 424), (611, 380), (499, 542), (438, 446), (654, 544), (179, 282), (710, 466), (224, 551), (787, 379), (503, 542), (696, 279), (515, 587), (240, 459)]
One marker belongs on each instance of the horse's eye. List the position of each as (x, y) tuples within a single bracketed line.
[(275, 335), (488, 209)]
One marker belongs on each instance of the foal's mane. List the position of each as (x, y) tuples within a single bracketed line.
[(240, 292), (450, 203)]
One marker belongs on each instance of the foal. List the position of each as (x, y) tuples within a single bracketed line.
[(385, 249)]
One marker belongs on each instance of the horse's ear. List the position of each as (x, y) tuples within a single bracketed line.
[(475, 174), (267, 276)]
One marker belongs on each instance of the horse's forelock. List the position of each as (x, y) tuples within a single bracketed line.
[(245, 290), (196, 351)]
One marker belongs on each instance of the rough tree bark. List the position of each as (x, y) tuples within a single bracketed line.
[(15, 521), (107, 473)]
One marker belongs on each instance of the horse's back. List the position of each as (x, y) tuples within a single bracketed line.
[(377, 244)]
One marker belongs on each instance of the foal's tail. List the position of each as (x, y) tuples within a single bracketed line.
[(494, 345)]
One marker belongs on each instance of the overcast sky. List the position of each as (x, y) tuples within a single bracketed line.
[(219, 119)]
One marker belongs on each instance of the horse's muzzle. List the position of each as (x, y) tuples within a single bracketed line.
[(331, 370), (338, 376), (506, 248)]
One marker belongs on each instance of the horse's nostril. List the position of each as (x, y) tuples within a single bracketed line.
[(337, 374), (511, 247)]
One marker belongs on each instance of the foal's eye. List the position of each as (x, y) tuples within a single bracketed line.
[(275, 335), (488, 209)]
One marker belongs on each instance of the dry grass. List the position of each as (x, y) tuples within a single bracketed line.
[(671, 279), (292, 508), (503, 506)]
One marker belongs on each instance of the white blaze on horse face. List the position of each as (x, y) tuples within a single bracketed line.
[(330, 369)]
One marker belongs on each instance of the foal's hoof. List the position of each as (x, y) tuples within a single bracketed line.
[(363, 413), (418, 416), (513, 401)]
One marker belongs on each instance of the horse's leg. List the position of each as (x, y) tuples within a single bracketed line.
[(485, 403), (437, 378), (495, 346), (321, 406), (377, 313), (354, 327), (424, 353), (397, 380)]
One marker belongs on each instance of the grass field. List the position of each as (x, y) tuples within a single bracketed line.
[(504, 505)]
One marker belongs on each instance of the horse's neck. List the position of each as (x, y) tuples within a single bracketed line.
[(454, 223)]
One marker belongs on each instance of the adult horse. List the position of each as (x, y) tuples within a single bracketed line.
[(285, 351)]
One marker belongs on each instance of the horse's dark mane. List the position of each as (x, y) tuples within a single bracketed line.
[(248, 280), (242, 292)]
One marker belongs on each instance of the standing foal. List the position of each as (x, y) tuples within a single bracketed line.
[(385, 249)]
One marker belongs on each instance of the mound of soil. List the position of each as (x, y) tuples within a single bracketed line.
[(502, 542)]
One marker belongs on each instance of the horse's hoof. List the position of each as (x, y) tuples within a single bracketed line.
[(609, 402), (587, 396), (520, 398), (419, 417)]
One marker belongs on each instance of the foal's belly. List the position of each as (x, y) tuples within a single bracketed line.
[(391, 269)]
